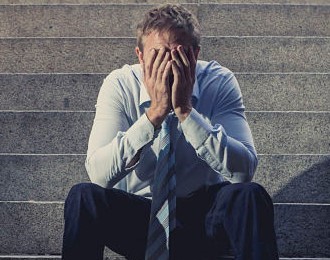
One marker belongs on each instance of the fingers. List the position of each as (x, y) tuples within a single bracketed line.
[(183, 56), (164, 69), (148, 65), (175, 57), (143, 65), (185, 61), (158, 61), (176, 73), (192, 59)]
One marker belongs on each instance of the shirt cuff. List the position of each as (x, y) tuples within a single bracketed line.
[(140, 133), (196, 129)]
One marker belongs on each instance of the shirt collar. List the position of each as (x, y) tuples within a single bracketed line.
[(144, 96)]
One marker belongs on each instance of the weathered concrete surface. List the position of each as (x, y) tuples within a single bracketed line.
[(40, 177), (66, 132), (101, 55), (261, 92), (285, 92), (49, 91), (326, 2), (266, 20), (287, 178), (298, 227), (308, 2), (32, 257), (290, 133), (27, 2), (295, 178), (45, 132), (215, 19)]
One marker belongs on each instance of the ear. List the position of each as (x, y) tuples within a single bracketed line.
[(139, 54)]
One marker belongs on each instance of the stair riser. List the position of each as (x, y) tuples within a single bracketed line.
[(102, 20), (285, 177), (58, 133), (79, 92), (27, 2), (256, 54)]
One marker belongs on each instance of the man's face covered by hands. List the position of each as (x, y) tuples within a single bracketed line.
[(156, 41), (168, 61)]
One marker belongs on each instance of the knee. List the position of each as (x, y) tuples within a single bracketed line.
[(80, 198), (80, 189), (255, 192), (79, 193), (252, 188), (246, 187)]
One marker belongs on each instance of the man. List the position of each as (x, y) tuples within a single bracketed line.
[(214, 158)]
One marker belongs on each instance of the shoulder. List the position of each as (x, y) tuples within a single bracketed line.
[(122, 83), (218, 86), (212, 69), (210, 74), (126, 74)]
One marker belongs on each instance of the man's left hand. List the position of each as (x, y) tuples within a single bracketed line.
[(183, 67)]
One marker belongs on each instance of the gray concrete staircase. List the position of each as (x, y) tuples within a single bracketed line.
[(55, 54)]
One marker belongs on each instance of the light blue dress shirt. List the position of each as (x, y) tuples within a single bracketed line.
[(213, 144)]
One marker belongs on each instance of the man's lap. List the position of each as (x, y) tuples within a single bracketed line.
[(125, 218)]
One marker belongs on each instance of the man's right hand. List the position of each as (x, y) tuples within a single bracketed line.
[(156, 71)]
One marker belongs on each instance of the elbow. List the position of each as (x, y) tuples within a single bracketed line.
[(253, 164), (100, 171), (94, 174), (246, 173), (251, 167)]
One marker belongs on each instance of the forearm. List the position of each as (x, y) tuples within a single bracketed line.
[(109, 163), (224, 154)]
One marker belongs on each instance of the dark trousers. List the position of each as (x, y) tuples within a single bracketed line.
[(237, 215)]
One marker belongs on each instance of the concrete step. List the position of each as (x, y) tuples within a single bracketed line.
[(215, 19), (107, 256), (37, 228), (68, 132), (290, 133), (285, 177), (241, 1), (292, 178), (31, 257), (261, 92), (101, 55), (27, 2)]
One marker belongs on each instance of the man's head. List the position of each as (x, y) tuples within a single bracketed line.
[(167, 26)]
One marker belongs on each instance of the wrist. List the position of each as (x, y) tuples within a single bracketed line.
[(182, 112), (156, 116)]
